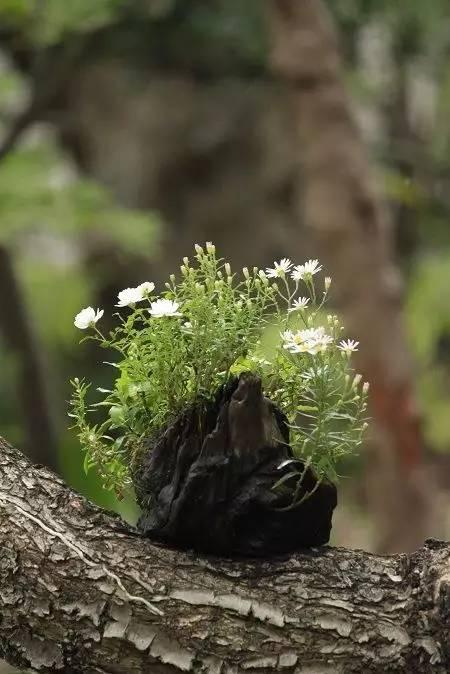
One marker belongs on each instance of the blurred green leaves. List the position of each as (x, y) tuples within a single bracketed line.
[(49, 21), (428, 321)]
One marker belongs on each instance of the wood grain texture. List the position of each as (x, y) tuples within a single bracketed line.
[(80, 591)]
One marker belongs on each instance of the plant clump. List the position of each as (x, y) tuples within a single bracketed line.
[(178, 348)]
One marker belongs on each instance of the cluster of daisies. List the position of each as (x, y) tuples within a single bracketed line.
[(129, 297), (300, 272), (310, 340), (315, 340)]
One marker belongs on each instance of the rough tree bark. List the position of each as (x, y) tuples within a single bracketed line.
[(82, 592), (346, 217)]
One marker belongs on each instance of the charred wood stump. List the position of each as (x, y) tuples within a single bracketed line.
[(207, 482)]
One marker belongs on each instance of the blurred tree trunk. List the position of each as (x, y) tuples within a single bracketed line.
[(346, 218), (15, 328)]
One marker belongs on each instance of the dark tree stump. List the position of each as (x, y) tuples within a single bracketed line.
[(207, 482)]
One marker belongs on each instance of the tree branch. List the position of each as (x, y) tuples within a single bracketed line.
[(82, 592)]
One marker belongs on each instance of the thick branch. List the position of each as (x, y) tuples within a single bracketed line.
[(80, 592)]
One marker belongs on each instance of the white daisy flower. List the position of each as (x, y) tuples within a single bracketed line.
[(87, 318), (162, 307), (287, 336), (130, 296), (280, 269), (348, 346), (146, 288), (312, 340), (300, 304), (306, 271)]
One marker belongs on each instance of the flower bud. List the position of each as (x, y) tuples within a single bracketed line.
[(198, 249), (366, 387), (210, 248), (186, 261), (327, 283), (227, 269), (184, 270), (172, 278), (246, 273), (356, 380)]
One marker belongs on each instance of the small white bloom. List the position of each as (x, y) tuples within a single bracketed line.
[(246, 272), (366, 386), (287, 336), (147, 287), (128, 296), (210, 248), (306, 271), (300, 304), (312, 340), (87, 318), (198, 249), (327, 283), (187, 327), (227, 269), (163, 307), (280, 269), (131, 296), (348, 346)]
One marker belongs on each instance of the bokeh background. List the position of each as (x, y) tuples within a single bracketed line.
[(131, 129)]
